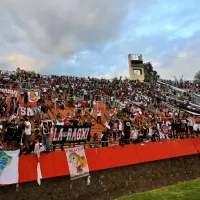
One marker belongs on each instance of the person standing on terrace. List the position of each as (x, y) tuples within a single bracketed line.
[(1, 144), (47, 127), (27, 132), (98, 116)]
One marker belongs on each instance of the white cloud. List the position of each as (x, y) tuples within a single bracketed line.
[(185, 62), (170, 27), (64, 27), (23, 61), (182, 54)]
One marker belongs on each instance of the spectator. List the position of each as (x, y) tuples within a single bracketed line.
[(47, 129), (27, 132), (11, 133), (144, 106), (95, 140), (1, 144), (98, 116), (104, 138), (1, 130)]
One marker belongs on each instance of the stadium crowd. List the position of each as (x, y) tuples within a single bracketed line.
[(193, 86), (134, 112)]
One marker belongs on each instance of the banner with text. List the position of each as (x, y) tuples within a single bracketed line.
[(77, 162), (69, 134), (9, 91), (29, 111)]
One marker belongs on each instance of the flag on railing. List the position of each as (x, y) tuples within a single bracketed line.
[(9, 161), (77, 162), (38, 149)]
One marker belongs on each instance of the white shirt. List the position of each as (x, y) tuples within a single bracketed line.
[(99, 113), (79, 105), (85, 92), (135, 134), (150, 132), (195, 127), (13, 117), (120, 126), (190, 122), (91, 111), (28, 130), (60, 123), (107, 125)]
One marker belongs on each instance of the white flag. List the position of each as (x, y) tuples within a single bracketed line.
[(37, 151), (9, 161), (39, 174)]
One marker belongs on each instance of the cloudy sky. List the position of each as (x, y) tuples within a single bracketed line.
[(95, 37)]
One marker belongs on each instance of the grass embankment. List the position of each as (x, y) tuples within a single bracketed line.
[(189, 190)]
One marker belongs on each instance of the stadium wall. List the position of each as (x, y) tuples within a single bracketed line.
[(115, 171)]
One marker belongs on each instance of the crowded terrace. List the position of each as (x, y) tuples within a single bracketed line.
[(37, 109)]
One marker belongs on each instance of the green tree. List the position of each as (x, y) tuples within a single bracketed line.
[(197, 76), (150, 74)]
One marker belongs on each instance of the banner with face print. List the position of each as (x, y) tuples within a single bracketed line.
[(165, 131), (77, 162), (33, 96)]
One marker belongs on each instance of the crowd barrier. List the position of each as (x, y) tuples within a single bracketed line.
[(54, 164)]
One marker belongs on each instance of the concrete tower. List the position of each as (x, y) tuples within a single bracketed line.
[(136, 68)]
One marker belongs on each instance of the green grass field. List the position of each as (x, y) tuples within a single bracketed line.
[(182, 191)]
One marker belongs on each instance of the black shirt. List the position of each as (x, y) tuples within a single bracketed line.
[(20, 129), (127, 125), (12, 132)]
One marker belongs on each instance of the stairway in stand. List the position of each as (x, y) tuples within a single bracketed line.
[(96, 128)]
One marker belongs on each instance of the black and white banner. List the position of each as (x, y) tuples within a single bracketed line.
[(165, 131), (29, 111), (8, 91), (69, 134)]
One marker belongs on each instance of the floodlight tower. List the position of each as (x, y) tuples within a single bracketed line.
[(136, 68)]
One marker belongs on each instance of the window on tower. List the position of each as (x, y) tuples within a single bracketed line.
[(137, 72)]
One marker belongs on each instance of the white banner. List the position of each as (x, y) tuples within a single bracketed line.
[(165, 132), (29, 111), (9, 167), (77, 162), (8, 91), (33, 96)]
